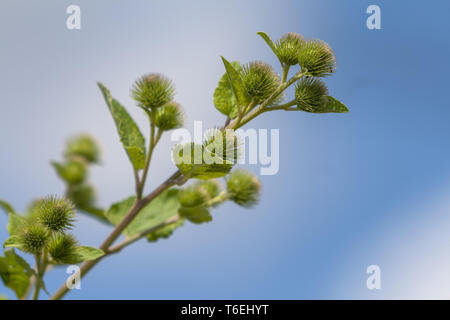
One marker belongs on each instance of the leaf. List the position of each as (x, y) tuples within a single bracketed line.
[(6, 207), (163, 207), (269, 41), (85, 253), (14, 221), (15, 272), (196, 214), (12, 242), (224, 98), (236, 84), (332, 106), (164, 232), (130, 135), (194, 166)]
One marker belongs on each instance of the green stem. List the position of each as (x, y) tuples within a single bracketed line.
[(285, 73), (152, 143), (39, 275), (257, 111)]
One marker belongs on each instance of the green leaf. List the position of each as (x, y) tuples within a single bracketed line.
[(12, 242), (194, 166), (224, 98), (269, 41), (196, 214), (164, 232), (6, 207), (332, 106), (130, 135), (14, 221), (15, 272), (163, 207), (85, 253), (236, 84)]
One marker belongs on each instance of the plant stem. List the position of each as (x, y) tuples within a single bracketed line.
[(285, 73), (140, 235), (151, 146), (237, 123)]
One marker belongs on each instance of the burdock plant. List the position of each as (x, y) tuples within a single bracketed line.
[(243, 93)]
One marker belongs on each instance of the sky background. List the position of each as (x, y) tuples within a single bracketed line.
[(368, 187)]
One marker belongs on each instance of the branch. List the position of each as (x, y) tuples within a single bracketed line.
[(176, 178)]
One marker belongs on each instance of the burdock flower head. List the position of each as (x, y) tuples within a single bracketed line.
[(317, 58), (32, 237), (310, 94), (193, 196), (243, 188), (83, 146), (170, 116), (288, 48), (62, 247), (56, 214), (152, 91), (259, 80)]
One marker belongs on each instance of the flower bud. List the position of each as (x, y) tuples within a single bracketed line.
[(192, 196), (310, 94), (259, 80), (288, 48), (73, 171), (62, 247), (243, 188), (32, 238), (83, 146), (317, 58), (152, 91), (56, 214), (212, 187), (82, 196), (170, 116), (222, 144)]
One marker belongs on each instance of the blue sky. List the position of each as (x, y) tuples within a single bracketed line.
[(368, 187)]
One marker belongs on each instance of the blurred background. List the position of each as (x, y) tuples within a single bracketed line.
[(353, 190)]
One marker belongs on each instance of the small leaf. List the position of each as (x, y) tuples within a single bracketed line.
[(224, 98), (163, 207), (130, 135), (12, 242), (269, 41), (236, 83), (196, 215), (85, 253), (14, 221), (15, 272), (6, 207), (194, 166), (332, 106), (164, 232)]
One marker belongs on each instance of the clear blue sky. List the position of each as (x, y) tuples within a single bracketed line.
[(368, 187)]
